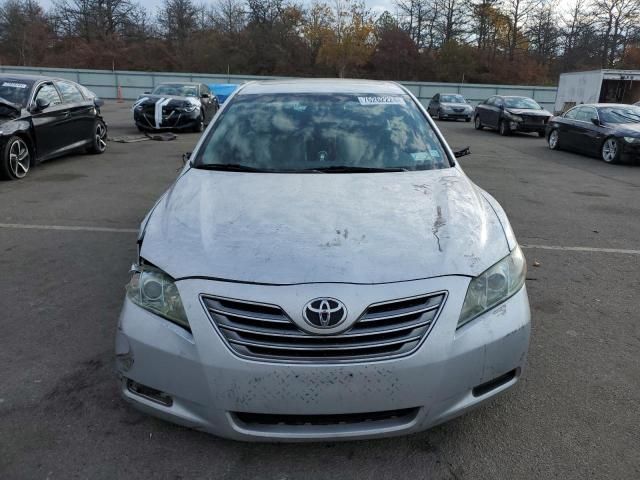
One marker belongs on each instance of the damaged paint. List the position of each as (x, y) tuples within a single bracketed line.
[(303, 228)]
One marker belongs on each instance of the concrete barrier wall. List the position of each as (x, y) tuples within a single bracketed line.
[(105, 84)]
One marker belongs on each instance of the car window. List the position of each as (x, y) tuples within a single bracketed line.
[(490, 100), (498, 101), (295, 132), (571, 114), (204, 89), (453, 99), (49, 94), (620, 114), (70, 94), (585, 114), (176, 89), (522, 102)]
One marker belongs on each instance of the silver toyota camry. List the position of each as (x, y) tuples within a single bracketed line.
[(322, 268)]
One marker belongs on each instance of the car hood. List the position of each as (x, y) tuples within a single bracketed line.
[(166, 100), (533, 112), (632, 129), (456, 105), (305, 228)]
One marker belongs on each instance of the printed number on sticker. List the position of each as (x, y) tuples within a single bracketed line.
[(381, 100)]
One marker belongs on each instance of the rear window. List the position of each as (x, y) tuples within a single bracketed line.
[(297, 132)]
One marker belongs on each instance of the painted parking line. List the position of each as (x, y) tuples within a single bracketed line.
[(69, 228), (582, 249)]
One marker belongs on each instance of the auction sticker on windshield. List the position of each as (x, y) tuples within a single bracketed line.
[(14, 85), (381, 101)]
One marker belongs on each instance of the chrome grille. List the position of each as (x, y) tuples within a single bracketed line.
[(266, 332)]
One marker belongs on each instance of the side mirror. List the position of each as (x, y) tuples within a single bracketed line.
[(501, 107), (40, 105), (596, 121), (463, 152), (186, 157), (206, 95)]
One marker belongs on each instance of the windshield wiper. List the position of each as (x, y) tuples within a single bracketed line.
[(354, 169), (229, 167)]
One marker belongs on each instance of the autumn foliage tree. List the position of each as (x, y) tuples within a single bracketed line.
[(494, 41)]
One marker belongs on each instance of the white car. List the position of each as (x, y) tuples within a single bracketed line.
[(322, 268)]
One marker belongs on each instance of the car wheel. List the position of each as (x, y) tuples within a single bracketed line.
[(200, 125), (554, 139), (504, 128), (99, 138), (477, 124), (610, 151), (15, 159)]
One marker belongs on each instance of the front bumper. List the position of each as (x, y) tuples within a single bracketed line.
[(213, 390), (456, 115), (527, 127), (174, 120)]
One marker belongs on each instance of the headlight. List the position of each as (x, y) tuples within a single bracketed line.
[(154, 290), (512, 117), (494, 286), (189, 108), (632, 139)]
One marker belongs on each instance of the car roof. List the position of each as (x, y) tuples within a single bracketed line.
[(319, 85), (446, 93), (25, 78), (191, 84)]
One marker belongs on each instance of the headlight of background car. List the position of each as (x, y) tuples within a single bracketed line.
[(632, 139), (188, 108), (154, 290), (512, 117), (494, 286)]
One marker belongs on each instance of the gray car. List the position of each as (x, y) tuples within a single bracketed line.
[(322, 269), (450, 106)]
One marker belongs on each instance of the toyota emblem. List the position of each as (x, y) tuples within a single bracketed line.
[(324, 312)]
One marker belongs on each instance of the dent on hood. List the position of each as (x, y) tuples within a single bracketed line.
[(286, 229)]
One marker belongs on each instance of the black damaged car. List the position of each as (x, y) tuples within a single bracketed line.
[(610, 131), (510, 114), (175, 106), (42, 118)]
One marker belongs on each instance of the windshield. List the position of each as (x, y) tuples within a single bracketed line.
[(176, 90), (15, 91), (521, 102), (452, 99), (619, 114), (306, 132)]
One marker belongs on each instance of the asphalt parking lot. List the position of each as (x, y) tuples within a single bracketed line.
[(67, 239)]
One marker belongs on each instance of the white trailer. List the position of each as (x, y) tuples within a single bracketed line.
[(597, 86)]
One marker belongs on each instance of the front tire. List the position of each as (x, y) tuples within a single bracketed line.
[(554, 139), (99, 144), (611, 150), (15, 159), (477, 124), (199, 127), (504, 129)]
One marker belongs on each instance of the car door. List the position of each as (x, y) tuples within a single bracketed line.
[(79, 125), (48, 123), (206, 100), (481, 110), (588, 135)]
